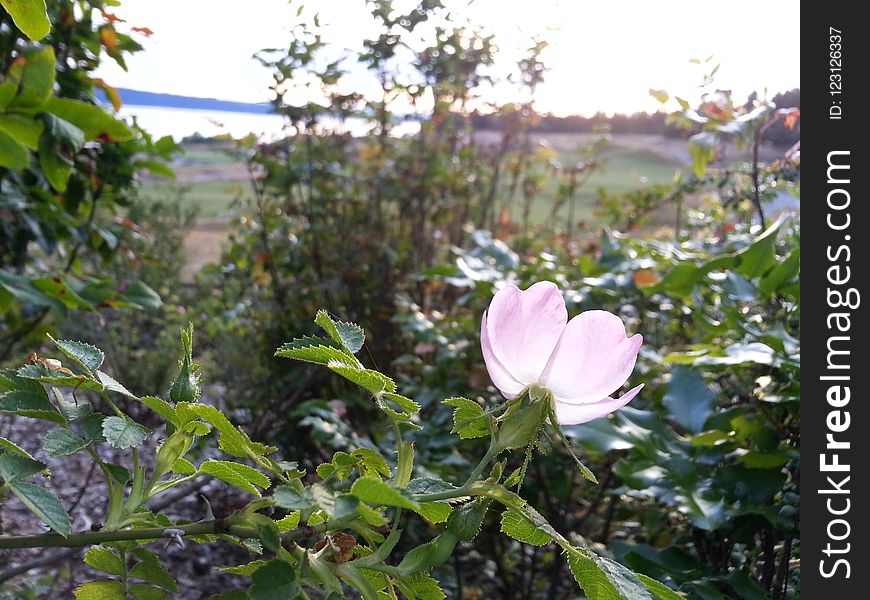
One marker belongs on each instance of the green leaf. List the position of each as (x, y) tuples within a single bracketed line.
[(370, 380), (102, 589), (276, 580), (434, 512), (419, 586), (105, 559), (658, 589), (372, 462), (120, 474), (13, 154), (139, 295), (112, 385), (86, 356), (375, 492), (688, 399), (348, 335), (521, 529), (62, 442), (30, 401), (29, 16), (605, 579), (13, 448), (396, 405), (94, 122), (660, 95), (45, 505), (287, 497), (246, 570), (315, 350), (241, 476), (781, 273), (182, 466), (468, 418), (161, 407), (760, 256), (153, 572), (43, 373), (60, 141), (34, 72), (14, 467), (465, 522), (232, 440), (147, 592), (123, 432)]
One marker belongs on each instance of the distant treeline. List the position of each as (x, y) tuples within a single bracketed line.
[(646, 123)]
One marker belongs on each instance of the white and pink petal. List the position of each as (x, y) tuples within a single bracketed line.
[(523, 328), (575, 414), (592, 359)]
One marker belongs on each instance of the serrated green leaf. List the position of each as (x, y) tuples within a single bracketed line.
[(605, 579), (348, 335), (468, 418), (44, 374), (102, 589), (238, 475), (44, 504), (397, 406), (30, 403), (373, 462), (466, 521), (114, 386), (153, 572), (246, 570), (372, 381), (104, 559), (123, 432), (62, 442), (161, 407), (521, 529), (15, 467), (13, 448), (419, 586), (85, 355), (287, 497), (289, 522), (232, 440), (95, 123), (375, 492), (182, 466), (434, 512), (658, 589), (29, 16), (276, 580), (315, 350)]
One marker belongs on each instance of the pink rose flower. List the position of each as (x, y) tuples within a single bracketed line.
[(527, 339)]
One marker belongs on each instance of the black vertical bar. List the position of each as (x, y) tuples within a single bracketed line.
[(835, 445)]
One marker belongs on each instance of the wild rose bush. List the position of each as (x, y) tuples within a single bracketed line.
[(325, 533)]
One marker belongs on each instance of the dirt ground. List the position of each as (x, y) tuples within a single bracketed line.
[(203, 245)]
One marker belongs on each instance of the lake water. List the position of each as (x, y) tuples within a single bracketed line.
[(181, 122)]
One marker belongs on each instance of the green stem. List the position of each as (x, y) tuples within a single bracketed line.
[(491, 452), (216, 526)]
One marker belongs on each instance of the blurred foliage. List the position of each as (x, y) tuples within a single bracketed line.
[(67, 172)]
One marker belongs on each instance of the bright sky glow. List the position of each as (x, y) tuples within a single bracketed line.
[(604, 56)]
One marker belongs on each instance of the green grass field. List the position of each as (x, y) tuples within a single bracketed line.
[(210, 198), (628, 166)]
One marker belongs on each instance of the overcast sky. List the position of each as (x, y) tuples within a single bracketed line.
[(603, 55)]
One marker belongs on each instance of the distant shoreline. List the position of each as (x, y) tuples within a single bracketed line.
[(153, 99)]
